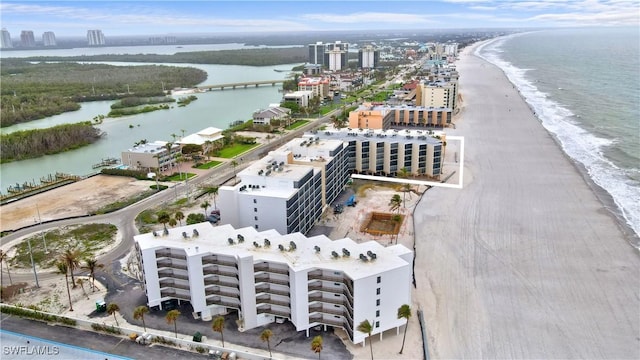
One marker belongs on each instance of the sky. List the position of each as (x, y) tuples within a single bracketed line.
[(117, 18)]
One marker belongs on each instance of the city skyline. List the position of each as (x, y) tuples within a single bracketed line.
[(120, 18)]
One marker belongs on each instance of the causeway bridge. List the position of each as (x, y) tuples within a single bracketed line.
[(243, 85)]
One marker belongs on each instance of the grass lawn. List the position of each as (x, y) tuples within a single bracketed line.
[(297, 124), (179, 177), (234, 150), (89, 239), (208, 165)]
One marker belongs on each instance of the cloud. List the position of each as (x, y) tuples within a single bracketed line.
[(370, 18)]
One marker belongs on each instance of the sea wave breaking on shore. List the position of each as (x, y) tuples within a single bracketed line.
[(579, 144)]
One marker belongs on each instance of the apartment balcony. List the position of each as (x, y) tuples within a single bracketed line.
[(170, 264), (268, 279), (319, 318), (175, 294), (169, 254), (172, 274), (265, 288), (320, 287), (219, 282), (215, 270), (267, 299), (320, 309), (319, 275), (210, 261), (173, 284), (266, 268), (219, 292), (223, 302), (267, 309)]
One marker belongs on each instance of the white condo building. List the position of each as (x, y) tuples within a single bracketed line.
[(368, 57), (7, 43), (95, 37), (266, 276), (288, 189)]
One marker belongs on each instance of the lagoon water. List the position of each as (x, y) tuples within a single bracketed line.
[(583, 86), (214, 108)]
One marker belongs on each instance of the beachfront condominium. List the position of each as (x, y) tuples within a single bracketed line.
[(27, 39), (383, 153), (438, 94), (382, 117), (267, 277), (319, 86), (7, 43), (333, 56), (368, 57), (95, 38), (300, 97), (49, 38), (316, 53), (288, 189), (149, 156)]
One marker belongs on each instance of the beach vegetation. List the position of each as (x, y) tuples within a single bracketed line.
[(64, 270), (195, 218), (265, 336), (404, 312), (112, 309), (366, 327), (218, 326), (172, 318), (316, 345), (92, 264), (138, 314)]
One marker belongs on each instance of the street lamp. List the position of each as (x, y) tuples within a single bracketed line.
[(33, 264), (43, 237)]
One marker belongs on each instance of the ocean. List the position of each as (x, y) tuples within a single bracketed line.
[(584, 86)]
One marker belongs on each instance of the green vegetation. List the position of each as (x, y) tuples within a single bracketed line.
[(34, 91), (208, 165), (250, 57), (138, 174), (36, 315), (105, 328), (195, 218), (133, 101), (187, 100), (136, 110), (88, 239), (240, 127), (179, 177), (234, 150), (123, 203), (297, 124), (29, 144)]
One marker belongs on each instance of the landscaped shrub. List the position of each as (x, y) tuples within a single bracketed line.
[(138, 174)]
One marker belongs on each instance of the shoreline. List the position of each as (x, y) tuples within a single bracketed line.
[(604, 196), (526, 261)]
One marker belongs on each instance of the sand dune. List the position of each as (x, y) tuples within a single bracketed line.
[(525, 261)]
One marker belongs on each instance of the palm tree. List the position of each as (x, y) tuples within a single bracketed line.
[(179, 216), (316, 345), (395, 202), (234, 164), (404, 173), (112, 309), (218, 326), (71, 257), (205, 205), (173, 222), (63, 269), (404, 312), (214, 190), (163, 218), (138, 314), (367, 328), (3, 259), (92, 265), (266, 336), (174, 136), (81, 282), (172, 318)]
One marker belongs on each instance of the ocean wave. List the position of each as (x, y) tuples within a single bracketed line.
[(579, 144)]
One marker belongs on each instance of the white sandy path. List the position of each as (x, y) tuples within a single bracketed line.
[(524, 262)]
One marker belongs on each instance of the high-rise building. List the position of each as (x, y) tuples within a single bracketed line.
[(95, 37), (368, 57), (316, 53), (27, 39), (336, 56), (49, 38), (6, 39)]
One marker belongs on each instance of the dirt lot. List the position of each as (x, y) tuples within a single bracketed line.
[(79, 198)]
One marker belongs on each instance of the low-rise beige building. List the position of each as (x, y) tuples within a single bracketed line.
[(157, 155), (369, 116)]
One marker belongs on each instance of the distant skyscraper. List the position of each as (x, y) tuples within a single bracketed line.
[(95, 37), (49, 38), (368, 57), (316, 53), (27, 39), (6, 39), (336, 56)]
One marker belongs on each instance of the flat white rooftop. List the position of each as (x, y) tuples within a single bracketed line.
[(309, 253)]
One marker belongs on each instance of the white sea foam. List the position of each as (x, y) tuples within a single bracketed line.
[(578, 143)]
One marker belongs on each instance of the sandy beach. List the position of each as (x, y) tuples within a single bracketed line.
[(525, 261)]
